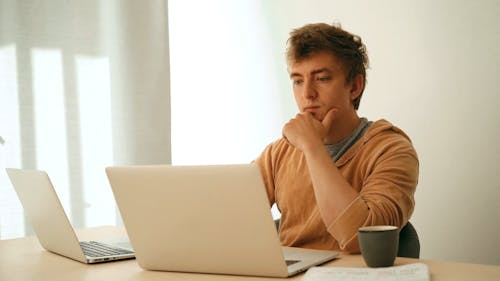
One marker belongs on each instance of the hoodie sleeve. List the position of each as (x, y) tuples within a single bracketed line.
[(386, 193), (265, 163)]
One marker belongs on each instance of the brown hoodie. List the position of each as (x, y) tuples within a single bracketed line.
[(382, 166)]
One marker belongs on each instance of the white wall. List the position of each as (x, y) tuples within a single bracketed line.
[(226, 105), (434, 69), (434, 73)]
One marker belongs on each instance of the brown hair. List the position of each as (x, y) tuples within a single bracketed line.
[(348, 48)]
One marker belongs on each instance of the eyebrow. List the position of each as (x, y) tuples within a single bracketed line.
[(314, 72)]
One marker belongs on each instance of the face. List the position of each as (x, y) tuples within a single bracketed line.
[(319, 84)]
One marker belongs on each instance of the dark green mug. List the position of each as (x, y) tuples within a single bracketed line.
[(379, 244)]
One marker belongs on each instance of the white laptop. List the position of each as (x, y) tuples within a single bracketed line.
[(206, 219), (51, 225)]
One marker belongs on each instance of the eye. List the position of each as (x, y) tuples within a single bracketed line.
[(297, 82), (324, 78)]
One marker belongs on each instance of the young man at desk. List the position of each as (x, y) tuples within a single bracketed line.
[(332, 171)]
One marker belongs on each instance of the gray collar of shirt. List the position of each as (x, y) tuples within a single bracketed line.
[(338, 149)]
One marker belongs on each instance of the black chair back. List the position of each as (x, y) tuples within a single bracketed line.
[(409, 244)]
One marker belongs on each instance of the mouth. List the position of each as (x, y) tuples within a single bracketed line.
[(312, 109)]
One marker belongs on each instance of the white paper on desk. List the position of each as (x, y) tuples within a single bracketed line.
[(408, 272)]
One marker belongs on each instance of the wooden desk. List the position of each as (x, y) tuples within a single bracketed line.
[(24, 259)]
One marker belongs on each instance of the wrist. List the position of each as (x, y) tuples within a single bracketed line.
[(312, 148)]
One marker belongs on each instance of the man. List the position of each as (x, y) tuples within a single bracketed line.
[(333, 172)]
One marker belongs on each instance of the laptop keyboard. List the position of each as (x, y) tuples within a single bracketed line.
[(97, 249)]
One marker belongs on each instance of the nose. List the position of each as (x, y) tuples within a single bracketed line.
[(309, 91)]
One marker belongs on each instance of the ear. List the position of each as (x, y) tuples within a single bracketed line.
[(357, 86)]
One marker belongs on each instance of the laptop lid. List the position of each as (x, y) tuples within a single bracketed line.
[(45, 213), (207, 219)]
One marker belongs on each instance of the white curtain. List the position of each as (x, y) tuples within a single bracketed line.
[(84, 84)]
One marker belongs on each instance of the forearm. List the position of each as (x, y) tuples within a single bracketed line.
[(332, 192)]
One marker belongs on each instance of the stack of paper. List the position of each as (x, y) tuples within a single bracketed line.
[(408, 272)]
